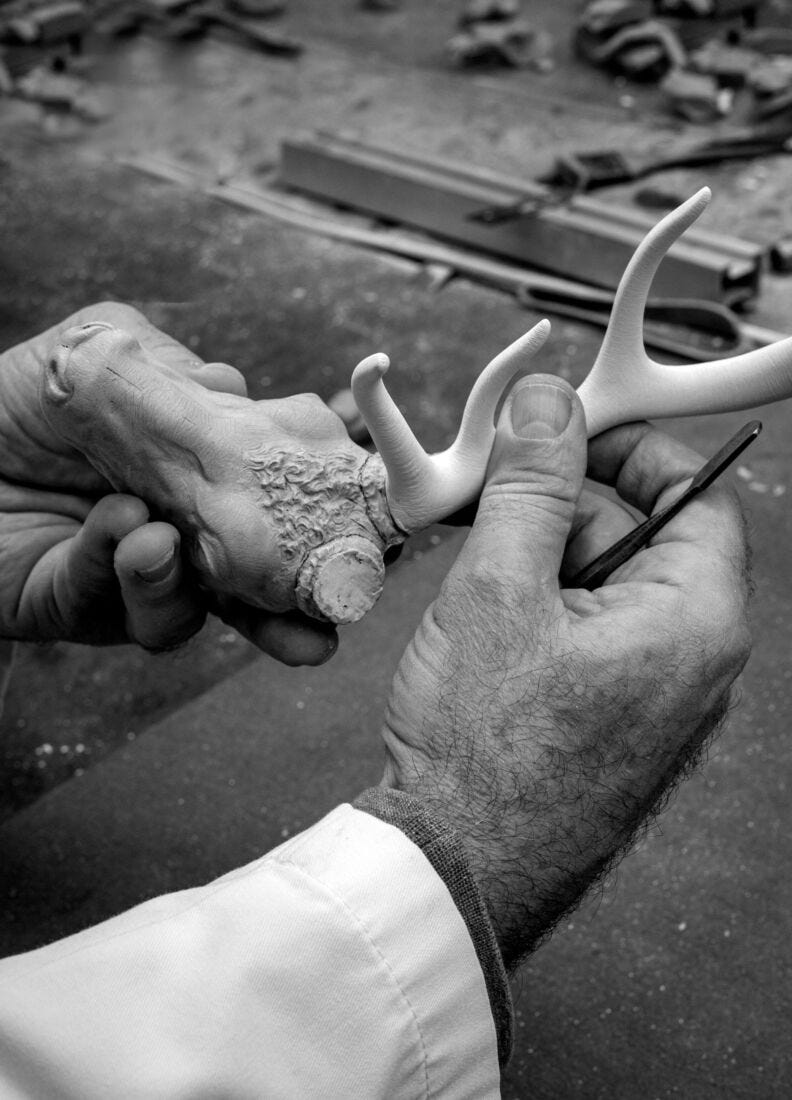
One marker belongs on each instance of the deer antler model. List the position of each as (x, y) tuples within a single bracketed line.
[(278, 507)]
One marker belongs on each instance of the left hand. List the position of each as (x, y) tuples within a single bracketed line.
[(81, 563)]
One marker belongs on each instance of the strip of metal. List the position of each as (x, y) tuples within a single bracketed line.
[(518, 187), (576, 244)]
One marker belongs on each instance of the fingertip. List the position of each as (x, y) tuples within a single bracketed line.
[(539, 409), (295, 640), (292, 638), (320, 649), (148, 553), (541, 406), (536, 470), (114, 516), (163, 607)]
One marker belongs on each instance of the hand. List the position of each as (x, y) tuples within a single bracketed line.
[(545, 723), (81, 563)]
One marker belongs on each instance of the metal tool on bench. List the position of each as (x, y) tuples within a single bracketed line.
[(202, 15), (580, 172), (691, 328), (584, 240)]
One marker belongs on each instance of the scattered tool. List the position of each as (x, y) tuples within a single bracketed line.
[(207, 14), (696, 97), (597, 572), (185, 19), (49, 34), (577, 173), (692, 329), (644, 50), (510, 43), (46, 24), (258, 9), (488, 11)]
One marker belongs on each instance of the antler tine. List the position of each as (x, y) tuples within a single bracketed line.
[(724, 385), (420, 488), (625, 384), (473, 443), (622, 358), (407, 464)]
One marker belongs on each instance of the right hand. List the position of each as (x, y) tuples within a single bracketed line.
[(545, 722)]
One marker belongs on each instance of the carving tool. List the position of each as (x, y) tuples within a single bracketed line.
[(594, 574)]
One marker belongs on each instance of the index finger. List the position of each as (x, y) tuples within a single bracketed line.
[(649, 469), (212, 376), (644, 465)]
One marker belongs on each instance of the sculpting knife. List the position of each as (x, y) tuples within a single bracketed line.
[(594, 574)]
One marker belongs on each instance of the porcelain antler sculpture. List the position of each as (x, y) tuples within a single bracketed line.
[(277, 506), (624, 384)]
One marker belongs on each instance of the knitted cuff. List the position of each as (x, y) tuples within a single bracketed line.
[(442, 846)]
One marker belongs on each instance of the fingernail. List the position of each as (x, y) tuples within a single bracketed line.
[(540, 410), (159, 570)]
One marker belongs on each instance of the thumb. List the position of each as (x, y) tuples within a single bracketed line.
[(534, 479)]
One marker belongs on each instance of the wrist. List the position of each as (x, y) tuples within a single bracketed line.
[(537, 837), (494, 847)]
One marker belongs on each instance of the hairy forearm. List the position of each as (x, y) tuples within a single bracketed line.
[(538, 838)]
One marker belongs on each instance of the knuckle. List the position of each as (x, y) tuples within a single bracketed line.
[(485, 605), (719, 635), (111, 311), (307, 414), (120, 312)]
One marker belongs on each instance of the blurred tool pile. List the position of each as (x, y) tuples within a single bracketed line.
[(712, 58), (43, 45)]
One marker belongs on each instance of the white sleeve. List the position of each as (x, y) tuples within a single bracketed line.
[(336, 966)]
